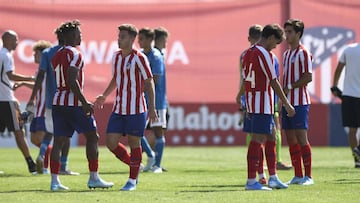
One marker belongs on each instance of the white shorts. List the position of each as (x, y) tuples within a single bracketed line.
[(161, 122), (49, 121)]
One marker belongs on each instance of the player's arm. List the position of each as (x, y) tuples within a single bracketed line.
[(75, 88), (334, 89), (240, 93), (18, 77), (303, 81), (26, 84), (150, 90), (274, 83), (39, 79), (100, 99)]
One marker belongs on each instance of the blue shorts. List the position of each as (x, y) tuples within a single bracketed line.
[(68, 119), (259, 123), (127, 124), (37, 124), (299, 121)]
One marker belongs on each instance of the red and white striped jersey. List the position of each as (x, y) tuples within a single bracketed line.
[(40, 104), (65, 58), (296, 62), (130, 72), (258, 71)]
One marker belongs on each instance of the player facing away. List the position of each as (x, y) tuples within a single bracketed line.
[(259, 84), (131, 75), (297, 74), (71, 110), (42, 97), (9, 106)]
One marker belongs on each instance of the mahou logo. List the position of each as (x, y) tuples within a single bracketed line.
[(326, 44)]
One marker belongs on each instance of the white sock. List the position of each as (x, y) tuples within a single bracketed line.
[(94, 175), (251, 181), (55, 179), (262, 175), (274, 176), (132, 181)]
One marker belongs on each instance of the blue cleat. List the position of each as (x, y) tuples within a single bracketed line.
[(256, 186), (307, 181), (99, 183), (128, 187), (58, 187), (276, 183), (295, 180)]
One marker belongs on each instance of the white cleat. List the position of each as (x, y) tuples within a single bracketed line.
[(156, 169), (58, 187), (99, 183), (149, 164)]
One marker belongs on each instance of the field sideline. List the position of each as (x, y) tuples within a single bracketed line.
[(196, 174)]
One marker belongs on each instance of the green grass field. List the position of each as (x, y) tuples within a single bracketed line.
[(196, 174)]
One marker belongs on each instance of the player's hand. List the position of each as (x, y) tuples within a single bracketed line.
[(238, 98), (99, 102), (290, 110), (88, 108), (152, 115), (336, 92), (30, 105), (17, 85)]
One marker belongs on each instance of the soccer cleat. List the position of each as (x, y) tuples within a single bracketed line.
[(307, 181), (357, 164), (32, 167), (39, 164), (149, 164), (128, 187), (1, 172), (68, 172), (295, 180), (99, 183), (356, 153), (45, 171), (276, 183), (156, 169), (58, 187), (256, 186), (141, 168), (282, 166), (262, 181)]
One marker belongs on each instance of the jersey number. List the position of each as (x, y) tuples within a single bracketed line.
[(60, 79), (251, 76)]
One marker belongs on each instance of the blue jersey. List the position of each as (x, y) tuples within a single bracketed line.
[(45, 65), (157, 65)]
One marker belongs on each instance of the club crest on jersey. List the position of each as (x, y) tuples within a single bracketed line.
[(128, 65), (323, 42)]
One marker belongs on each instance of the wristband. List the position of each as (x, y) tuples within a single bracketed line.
[(289, 86)]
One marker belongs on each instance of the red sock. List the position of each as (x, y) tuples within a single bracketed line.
[(270, 153), (47, 156), (135, 160), (54, 167), (93, 165), (121, 153), (261, 160), (306, 156), (253, 157), (295, 154)]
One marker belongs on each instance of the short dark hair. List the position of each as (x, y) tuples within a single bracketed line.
[(160, 32), (148, 32), (297, 24), (130, 28), (255, 31), (273, 29)]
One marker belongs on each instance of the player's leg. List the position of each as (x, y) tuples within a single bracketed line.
[(145, 146), (280, 165), (64, 170), (135, 123), (45, 148)]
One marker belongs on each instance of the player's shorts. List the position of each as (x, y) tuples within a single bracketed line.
[(127, 124), (37, 124), (300, 119), (259, 123), (350, 108), (10, 116), (68, 119), (161, 120)]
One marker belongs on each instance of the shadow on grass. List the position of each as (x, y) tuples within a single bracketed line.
[(214, 188), (347, 181), (57, 192)]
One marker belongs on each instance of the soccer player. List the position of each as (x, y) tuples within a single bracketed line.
[(9, 106), (131, 75), (297, 74), (157, 65), (42, 124), (71, 111), (350, 96), (259, 84)]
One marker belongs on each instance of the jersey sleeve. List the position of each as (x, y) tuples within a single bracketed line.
[(144, 66), (157, 67), (8, 63), (76, 59)]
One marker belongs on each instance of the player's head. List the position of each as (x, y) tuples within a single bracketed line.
[(38, 47), (254, 33), (10, 39), (71, 32), (145, 38), (294, 29), (59, 35), (161, 36), (271, 36), (127, 35)]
